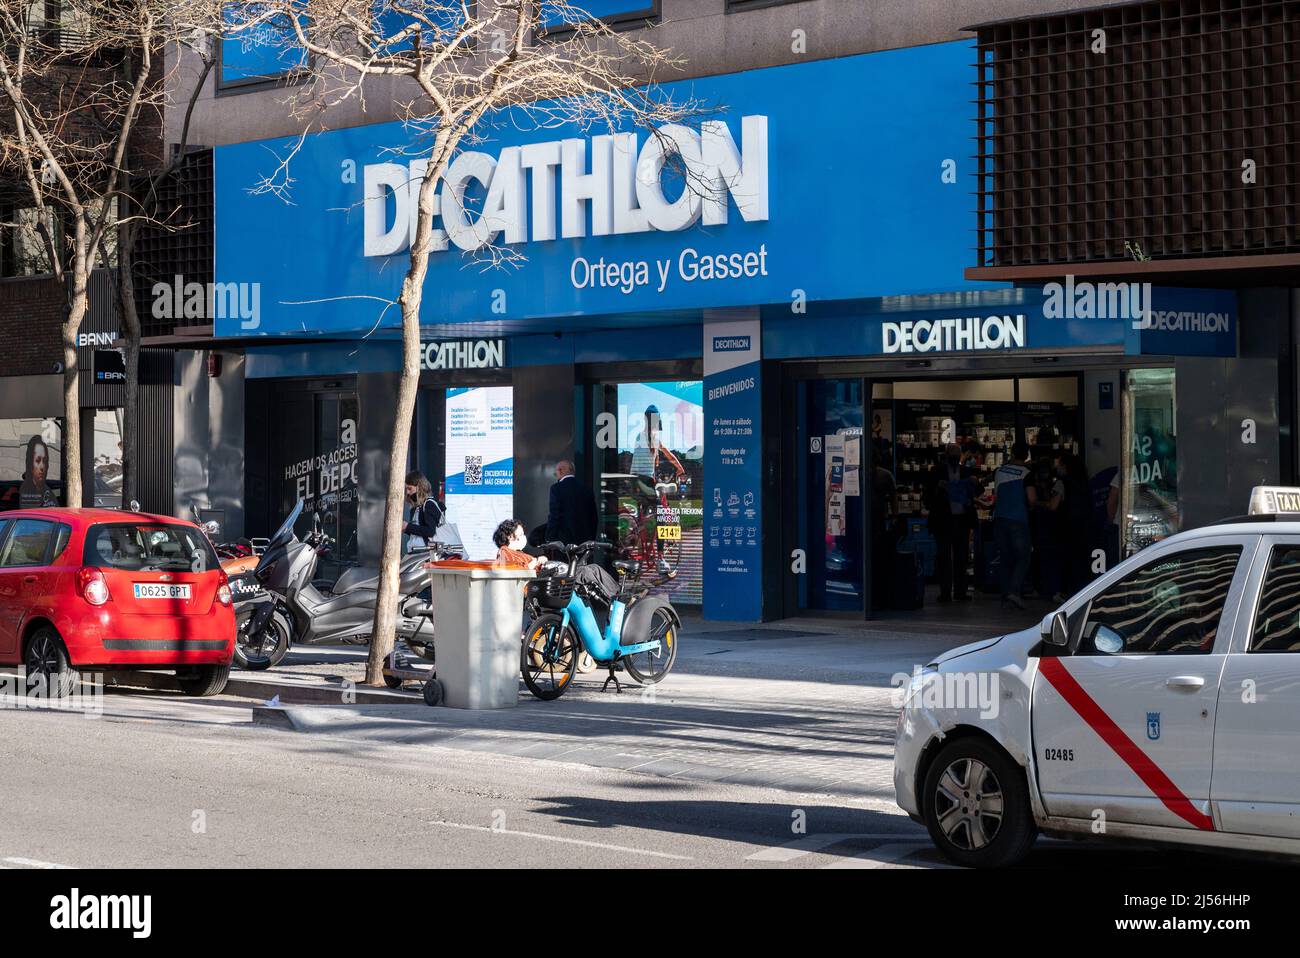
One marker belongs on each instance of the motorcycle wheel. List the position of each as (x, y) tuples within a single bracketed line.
[(649, 668), (261, 652)]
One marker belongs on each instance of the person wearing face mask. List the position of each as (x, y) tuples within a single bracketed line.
[(950, 500), (511, 540)]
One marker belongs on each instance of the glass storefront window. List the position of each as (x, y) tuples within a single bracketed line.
[(1149, 477), (315, 445), (31, 462), (108, 458), (650, 449)]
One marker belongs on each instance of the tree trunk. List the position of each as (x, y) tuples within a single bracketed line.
[(77, 301), (131, 399), (383, 634)]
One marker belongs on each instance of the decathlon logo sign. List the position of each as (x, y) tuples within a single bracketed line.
[(463, 354), (730, 344), (612, 177), (960, 334), (1186, 322)]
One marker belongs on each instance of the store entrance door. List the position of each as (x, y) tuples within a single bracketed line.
[(832, 494)]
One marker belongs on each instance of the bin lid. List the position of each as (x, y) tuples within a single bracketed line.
[(476, 569)]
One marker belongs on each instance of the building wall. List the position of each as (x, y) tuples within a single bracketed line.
[(31, 313), (700, 32)]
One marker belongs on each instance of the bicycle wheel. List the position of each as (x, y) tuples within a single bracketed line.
[(549, 658), (651, 667)]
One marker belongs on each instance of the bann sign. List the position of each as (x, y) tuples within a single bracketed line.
[(75, 911), (463, 354), (620, 183)]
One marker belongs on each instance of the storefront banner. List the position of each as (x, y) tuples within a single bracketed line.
[(733, 471), (1179, 322), (479, 476), (808, 191), (1186, 322)]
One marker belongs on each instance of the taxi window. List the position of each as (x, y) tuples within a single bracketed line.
[(1277, 617), (1170, 606)]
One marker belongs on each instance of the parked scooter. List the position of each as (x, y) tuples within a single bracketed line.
[(343, 614)]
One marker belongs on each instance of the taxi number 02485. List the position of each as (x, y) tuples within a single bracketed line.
[(1058, 754)]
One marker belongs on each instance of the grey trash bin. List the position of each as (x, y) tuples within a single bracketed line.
[(477, 613)]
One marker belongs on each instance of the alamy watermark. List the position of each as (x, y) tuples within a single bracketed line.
[(932, 689), (77, 692), (208, 301), (1085, 300)]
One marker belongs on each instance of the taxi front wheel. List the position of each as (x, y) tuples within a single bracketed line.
[(976, 805)]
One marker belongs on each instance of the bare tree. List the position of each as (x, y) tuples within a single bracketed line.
[(78, 81), (461, 63), (145, 210)]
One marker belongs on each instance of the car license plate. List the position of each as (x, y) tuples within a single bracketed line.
[(161, 590)]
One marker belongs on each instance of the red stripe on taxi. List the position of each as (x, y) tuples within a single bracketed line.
[(1161, 785)]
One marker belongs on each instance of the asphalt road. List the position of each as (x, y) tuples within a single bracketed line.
[(167, 782)]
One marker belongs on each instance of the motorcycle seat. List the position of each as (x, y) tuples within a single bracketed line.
[(357, 577)]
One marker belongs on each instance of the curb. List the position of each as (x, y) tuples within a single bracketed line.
[(273, 717), (290, 693)]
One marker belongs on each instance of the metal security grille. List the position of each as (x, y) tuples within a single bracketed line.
[(1145, 149), (183, 247)]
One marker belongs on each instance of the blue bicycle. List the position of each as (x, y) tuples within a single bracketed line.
[(574, 606)]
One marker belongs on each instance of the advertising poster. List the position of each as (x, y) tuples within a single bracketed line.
[(835, 464), (659, 480), (480, 468), (733, 509), (31, 455)]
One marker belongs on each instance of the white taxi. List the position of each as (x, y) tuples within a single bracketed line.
[(1161, 703)]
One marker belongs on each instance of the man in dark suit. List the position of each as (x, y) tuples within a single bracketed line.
[(572, 517)]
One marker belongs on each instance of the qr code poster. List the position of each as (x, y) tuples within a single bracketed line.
[(473, 470)]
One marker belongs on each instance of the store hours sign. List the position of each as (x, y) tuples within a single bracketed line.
[(733, 506)]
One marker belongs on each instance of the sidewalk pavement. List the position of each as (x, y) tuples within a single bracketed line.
[(801, 705)]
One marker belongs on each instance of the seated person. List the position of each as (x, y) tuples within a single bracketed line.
[(511, 540)]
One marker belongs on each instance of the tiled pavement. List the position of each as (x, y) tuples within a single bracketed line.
[(804, 707)]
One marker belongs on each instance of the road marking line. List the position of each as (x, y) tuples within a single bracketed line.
[(561, 839), (815, 843), (884, 856), (33, 863)]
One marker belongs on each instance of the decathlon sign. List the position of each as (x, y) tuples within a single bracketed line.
[(959, 334), (618, 180), (463, 354)]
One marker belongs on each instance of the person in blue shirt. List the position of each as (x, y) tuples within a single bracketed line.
[(1013, 498)]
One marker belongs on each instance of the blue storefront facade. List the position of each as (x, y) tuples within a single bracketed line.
[(733, 370)]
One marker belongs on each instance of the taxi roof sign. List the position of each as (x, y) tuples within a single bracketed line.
[(1274, 500)]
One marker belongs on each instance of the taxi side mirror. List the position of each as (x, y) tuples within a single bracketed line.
[(1055, 630)]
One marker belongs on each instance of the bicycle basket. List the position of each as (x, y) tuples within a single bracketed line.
[(552, 592)]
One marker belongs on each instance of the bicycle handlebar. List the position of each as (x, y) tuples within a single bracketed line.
[(572, 550)]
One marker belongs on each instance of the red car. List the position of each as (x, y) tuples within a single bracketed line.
[(93, 589)]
